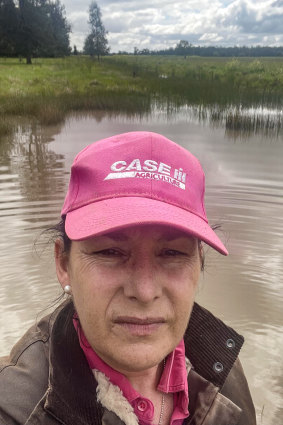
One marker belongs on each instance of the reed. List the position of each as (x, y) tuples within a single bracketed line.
[(209, 80), (7, 125)]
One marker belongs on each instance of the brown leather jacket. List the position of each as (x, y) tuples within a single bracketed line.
[(47, 381)]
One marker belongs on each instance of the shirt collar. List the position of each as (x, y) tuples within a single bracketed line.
[(173, 379)]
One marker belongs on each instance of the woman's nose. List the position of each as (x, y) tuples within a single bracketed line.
[(143, 282)]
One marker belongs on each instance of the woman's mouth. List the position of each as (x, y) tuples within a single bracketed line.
[(139, 326)]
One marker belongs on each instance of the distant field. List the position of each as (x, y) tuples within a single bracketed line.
[(50, 88)]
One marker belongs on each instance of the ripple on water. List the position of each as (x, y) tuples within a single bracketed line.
[(262, 358)]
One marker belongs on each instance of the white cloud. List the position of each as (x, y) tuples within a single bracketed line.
[(212, 37), (153, 24)]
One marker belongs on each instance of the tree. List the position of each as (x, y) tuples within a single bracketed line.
[(33, 28), (96, 42), (8, 27), (59, 29), (183, 47)]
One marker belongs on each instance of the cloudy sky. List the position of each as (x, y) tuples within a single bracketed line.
[(160, 24)]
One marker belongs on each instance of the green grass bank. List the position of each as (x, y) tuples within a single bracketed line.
[(49, 89)]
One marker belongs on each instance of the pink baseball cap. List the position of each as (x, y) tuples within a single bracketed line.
[(134, 179)]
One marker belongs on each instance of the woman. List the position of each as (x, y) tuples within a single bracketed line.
[(129, 346)]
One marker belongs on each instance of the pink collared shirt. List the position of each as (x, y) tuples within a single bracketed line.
[(173, 380)]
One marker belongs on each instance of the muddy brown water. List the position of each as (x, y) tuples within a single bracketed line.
[(244, 175)]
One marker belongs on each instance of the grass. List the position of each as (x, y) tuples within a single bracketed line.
[(198, 80), (51, 88)]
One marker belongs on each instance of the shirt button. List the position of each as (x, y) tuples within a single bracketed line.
[(142, 405)]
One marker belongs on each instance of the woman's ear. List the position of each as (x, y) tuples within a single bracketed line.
[(61, 262)]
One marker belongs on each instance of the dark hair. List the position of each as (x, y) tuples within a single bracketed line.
[(50, 235), (58, 231)]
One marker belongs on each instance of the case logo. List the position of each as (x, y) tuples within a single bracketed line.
[(149, 169)]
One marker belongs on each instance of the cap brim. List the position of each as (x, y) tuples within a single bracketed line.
[(117, 213)]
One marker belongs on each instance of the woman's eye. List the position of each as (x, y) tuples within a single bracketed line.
[(173, 253), (109, 252)]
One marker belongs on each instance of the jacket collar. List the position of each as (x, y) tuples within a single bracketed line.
[(218, 344), (72, 388)]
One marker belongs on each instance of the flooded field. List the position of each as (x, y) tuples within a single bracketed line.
[(244, 177)]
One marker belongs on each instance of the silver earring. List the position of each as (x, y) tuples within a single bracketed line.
[(68, 290)]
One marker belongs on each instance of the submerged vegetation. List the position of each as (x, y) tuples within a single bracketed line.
[(50, 88)]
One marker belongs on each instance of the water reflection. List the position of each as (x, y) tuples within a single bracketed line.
[(244, 194), (31, 176), (240, 122), (37, 174)]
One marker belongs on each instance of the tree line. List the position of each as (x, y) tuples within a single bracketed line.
[(184, 48)]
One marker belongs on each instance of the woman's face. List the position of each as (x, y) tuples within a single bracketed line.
[(133, 291)]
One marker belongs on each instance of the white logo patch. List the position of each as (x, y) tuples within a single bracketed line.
[(148, 170)]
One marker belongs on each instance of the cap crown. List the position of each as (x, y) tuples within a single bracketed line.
[(137, 164)]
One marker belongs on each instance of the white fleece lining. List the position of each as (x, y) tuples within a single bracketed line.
[(188, 365), (111, 397)]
